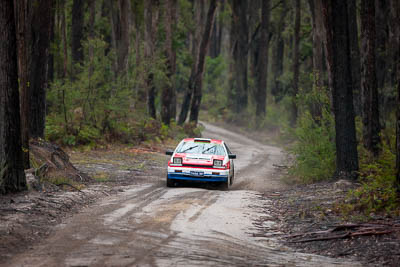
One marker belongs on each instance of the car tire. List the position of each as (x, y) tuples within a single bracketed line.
[(226, 185), (170, 183), (232, 176)]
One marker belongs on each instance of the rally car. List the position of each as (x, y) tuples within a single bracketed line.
[(200, 159)]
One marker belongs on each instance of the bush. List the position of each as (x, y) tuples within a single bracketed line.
[(377, 192), (314, 149)]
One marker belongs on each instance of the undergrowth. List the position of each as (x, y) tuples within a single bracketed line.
[(377, 191), (96, 107), (127, 132), (314, 149)]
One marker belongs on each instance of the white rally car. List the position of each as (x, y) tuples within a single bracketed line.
[(200, 159)]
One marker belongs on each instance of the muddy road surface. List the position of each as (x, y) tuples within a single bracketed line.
[(149, 224)]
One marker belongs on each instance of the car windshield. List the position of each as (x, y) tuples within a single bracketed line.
[(201, 148)]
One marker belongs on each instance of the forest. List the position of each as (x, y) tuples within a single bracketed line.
[(321, 76)]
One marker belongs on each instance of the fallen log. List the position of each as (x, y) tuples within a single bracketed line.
[(310, 233), (346, 235), (372, 233), (321, 238)]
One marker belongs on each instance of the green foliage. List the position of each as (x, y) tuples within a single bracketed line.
[(377, 192), (314, 149), (277, 116), (215, 87), (88, 135), (101, 177)]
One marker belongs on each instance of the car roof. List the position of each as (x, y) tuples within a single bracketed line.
[(207, 140)]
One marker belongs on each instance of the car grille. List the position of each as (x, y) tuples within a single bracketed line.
[(197, 166)]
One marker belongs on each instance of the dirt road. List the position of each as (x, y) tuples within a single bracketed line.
[(151, 225)]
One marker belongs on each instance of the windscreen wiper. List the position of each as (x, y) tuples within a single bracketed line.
[(207, 149), (187, 149)]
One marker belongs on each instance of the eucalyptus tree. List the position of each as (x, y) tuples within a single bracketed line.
[(296, 61), (12, 176), (339, 70), (262, 61), (151, 14), (239, 45), (198, 78), (369, 86), (168, 92), (22, 17), (355, 55), (41, 24), (77, 31)]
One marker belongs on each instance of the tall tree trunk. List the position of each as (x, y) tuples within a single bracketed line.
[(296, 62), (12, 176), (240, 53), (220, 28), (398, 117), (50, 72), (395, 13), (381, 29), (139, 89), (393, 52), (22, 17), (65, 61), (198, 80), (383, 48), (168, 91), (278, 50), (369, 90), (77, 31), (215, 38), (318, 36), (318, 39), (64, 39), (198, 10), (91, 36), (262, 61), (254, 25), (41, 27), (123, 45), (355, 55), (150, 20), (212, 49), (121, 27), (339, 70), (174, 19)]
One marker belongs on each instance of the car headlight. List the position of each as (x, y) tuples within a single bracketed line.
[(217, 163), (177, 160)]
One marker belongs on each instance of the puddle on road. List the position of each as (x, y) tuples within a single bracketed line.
[(104, 240)]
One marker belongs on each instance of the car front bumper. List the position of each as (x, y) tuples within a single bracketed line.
[(198, 174)]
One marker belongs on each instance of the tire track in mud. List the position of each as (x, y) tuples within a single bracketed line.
[(254, 167)]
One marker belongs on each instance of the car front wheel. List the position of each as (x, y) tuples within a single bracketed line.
[(227, 184), (170, 183)]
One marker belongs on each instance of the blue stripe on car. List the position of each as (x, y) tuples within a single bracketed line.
[(207, 178)]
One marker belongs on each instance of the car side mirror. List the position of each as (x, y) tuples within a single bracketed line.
[(232, 156), (169, 152)]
